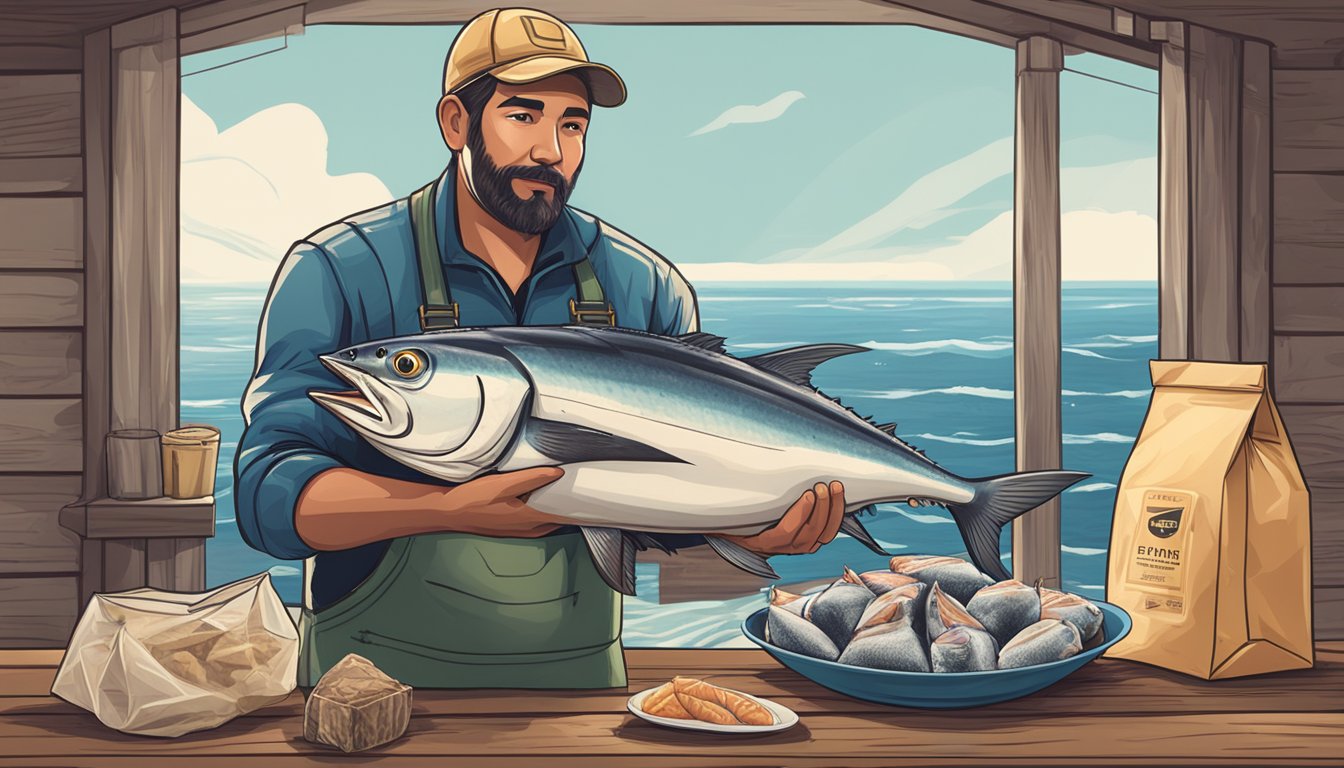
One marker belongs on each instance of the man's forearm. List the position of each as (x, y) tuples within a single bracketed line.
[(344, 508)]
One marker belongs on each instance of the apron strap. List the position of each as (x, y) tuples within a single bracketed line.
[(592, 307), (439, 311)]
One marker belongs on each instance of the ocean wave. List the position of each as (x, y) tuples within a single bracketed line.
[(928, 347), (209, 403), (1085, 353), (1130, 339), (703, 299), (949, 299), (880, 543), (965, 441), (218, 348), (1129, 393), (902, 394), (927, 519), (1091, 488), (1123, 305), (1084, 551), (837, 306), (284, 570), (1099, 437)]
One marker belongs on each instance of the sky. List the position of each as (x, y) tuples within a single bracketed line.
[(743, 152)]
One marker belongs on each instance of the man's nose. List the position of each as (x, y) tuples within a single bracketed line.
[(546, 150)]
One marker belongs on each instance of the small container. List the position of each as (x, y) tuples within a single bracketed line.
[(133, 470), (190, 455)]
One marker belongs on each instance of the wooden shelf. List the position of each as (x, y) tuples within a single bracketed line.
[(157, 518)]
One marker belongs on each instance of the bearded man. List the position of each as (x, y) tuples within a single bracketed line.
[(466, 585)]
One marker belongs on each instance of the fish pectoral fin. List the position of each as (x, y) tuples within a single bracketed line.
[(854, 529), (796, 364), (740, 556), (570, 443), (614, 555)]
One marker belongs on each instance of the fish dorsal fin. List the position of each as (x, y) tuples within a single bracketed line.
[(889, 428), (796, 364), (707, 341)]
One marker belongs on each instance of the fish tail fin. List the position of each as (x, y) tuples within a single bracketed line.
[(997, 501)]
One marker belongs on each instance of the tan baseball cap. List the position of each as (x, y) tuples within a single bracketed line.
[(523, 45)]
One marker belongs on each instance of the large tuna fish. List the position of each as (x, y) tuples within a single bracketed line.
[(657, 434)]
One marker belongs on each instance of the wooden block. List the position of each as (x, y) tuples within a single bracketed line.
[(1308, 211), (1308, 369), (157, 518), (39, 115), (37, 611), (1173, 197), (97, 262), (41, 175), (1257, 192), (1317, 435), (90, 570), (41, 435), (41, 232), (124, 564), (1327, 532), (176, 564), (355, 706), (1309, 120), (1309, 309), (31, 539), (1328, 612), (37, 299), (40, 362)]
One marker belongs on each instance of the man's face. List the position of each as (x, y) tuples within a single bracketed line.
[(524, 151)]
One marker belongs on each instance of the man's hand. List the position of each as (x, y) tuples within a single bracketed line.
[(496, 505), (813, 520)]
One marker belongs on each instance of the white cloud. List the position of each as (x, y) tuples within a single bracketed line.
[(751, 113), (248, 193), (1096, 245)]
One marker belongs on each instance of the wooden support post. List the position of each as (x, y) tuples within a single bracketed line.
[(1214, 195), (144, 219), (1036, 298)]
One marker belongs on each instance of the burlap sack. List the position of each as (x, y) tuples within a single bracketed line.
[(1211, 539), (167, 663)]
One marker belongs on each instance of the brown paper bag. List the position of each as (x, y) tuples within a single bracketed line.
[(1211, 539)]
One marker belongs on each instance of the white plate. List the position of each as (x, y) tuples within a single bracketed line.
[(784, 717)]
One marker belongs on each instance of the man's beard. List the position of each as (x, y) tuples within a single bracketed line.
[(494, 190)]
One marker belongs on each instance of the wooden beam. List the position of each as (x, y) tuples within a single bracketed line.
[(124, 564), (1257, 196), (1215, 134), (1309, 369), (1309, 309), (39, 114), (1308, 228), (38, 299), (1036, 299), (1173, 204), (37, 611), (144, 222), (160, 517), (284, 22), (97, 384), (31, 540), (37, 362), (1309, 120), (41, 176), (41, 232), (40, 435)]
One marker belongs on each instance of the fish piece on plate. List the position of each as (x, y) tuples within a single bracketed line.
[(794, 633), (663, 703), (743, 709), (1078, 611), (893, 645), (964, 649), (1045, 641), (687, 440), (958, 578), (879, 582), (837, 610), (889, 606), (943, 612), (1006, 608)]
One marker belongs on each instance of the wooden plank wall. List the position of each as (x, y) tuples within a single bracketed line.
[(41, 345), (1308, 308)]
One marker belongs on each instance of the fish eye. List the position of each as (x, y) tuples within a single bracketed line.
[(408, 364)]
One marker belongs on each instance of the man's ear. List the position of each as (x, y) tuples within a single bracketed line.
[(453, 122)]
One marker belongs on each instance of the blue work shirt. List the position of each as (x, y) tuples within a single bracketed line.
[(358, 280)]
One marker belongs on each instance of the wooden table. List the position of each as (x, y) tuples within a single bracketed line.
[(1109, 713)]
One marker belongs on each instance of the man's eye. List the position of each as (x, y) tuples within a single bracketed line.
[(521, 117), (574, 126)]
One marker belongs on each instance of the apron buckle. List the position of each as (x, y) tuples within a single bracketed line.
[(592, 313), (436, 317)]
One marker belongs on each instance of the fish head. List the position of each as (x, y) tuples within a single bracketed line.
[(440, 408)]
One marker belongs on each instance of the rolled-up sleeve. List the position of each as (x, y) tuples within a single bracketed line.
[(288, 438), (674, 310)]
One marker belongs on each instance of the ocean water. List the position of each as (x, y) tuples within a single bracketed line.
[(941, 367)]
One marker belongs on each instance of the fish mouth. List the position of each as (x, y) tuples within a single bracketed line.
[(362, 401)]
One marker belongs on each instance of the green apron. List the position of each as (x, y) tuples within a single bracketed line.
[(453, 610)]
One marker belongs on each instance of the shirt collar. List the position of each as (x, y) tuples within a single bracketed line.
[(559, 245)]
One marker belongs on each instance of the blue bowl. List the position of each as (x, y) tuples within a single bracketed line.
[(938, 690)]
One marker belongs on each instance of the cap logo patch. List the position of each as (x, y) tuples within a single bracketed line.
[(544, 33)]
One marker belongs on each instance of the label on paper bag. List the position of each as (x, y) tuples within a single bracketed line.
[(1160, 553)]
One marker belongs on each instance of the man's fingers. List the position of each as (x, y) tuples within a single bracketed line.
[(837, 515), (524, 481), (807, 534)]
